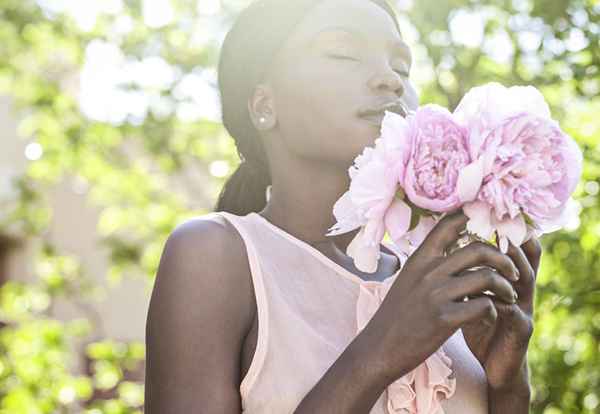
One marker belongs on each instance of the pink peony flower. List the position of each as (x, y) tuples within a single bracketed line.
[(371, 202), (524, 164), (419, 158), (484, 107), (439, 151), (499, 156)]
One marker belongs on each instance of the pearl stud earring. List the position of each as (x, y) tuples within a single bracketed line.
[(262, 119)]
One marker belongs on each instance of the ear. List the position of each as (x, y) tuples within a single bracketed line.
[(261, 107)]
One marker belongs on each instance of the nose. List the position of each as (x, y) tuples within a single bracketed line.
[(387, 80)]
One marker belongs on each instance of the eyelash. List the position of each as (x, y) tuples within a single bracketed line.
[(341, 57)]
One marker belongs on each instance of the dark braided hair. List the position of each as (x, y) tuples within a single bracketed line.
[(247, 51)]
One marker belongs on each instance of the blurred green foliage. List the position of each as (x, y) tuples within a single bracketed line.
[(130, 162)]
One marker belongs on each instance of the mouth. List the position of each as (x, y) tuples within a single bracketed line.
[(375, 119), (376, 114)]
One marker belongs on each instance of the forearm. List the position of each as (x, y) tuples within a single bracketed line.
[(513, 399), (351, 385)]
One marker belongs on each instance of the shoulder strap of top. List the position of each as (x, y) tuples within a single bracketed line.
[(260, 294)]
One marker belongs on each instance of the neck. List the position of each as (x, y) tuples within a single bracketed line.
[(302, 203)]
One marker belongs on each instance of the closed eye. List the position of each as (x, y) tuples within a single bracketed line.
[(343, 57)]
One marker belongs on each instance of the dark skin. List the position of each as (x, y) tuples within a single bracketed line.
[(202, 325)]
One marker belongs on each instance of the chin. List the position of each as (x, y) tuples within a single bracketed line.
[(370, 133), (366, 139), (357, 136)]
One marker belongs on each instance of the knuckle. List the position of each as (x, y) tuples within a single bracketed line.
[(427, 278), (431, 272), (457, 218), (480, 250), (528, 329), (506, 264), (490, 276), (530, 273), (435, 294), (490, 309), (511, 263), (525, 333), (444, 318), (504, 258)]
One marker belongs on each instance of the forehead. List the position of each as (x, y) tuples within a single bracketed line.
[(361, 17)]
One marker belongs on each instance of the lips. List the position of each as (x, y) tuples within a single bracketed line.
[(375, 114), (375, 119)]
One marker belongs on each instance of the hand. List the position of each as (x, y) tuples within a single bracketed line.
[(427, 294), (502, 347)]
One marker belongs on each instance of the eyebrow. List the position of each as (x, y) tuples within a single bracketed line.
[(402, 46)]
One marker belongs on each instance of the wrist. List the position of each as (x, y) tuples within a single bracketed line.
[(522, 391), (514, 396), (367, 360), (518, 385), (515, 400), (370, 357)]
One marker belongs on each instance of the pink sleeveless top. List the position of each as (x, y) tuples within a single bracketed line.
[(310, 308)]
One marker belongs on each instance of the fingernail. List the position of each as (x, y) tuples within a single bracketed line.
[(515, 297)]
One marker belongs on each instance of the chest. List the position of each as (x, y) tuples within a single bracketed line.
[(389, 263), (471, 395)]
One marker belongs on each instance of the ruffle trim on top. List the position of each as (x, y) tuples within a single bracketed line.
[(421, 390)]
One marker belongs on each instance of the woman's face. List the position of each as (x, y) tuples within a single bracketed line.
[(344, 56)]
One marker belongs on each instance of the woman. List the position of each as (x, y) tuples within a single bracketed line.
[(255, 310)]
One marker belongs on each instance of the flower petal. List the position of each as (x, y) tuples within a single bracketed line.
[(395, 133), (469, 181), (397, 219), (365, 256), (346, 214), (480, 219), (514, 230), (368, 185)]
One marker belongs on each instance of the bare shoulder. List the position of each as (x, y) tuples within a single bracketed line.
[(207, 256), (201, 308), (202, 238)]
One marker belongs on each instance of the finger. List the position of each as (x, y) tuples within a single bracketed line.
[(478, 309), (526, 284), (475, 282), (445, 233), (533, 250), (477, 254)]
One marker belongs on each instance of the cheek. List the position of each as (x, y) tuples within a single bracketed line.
[(310, 108), (317, 115)]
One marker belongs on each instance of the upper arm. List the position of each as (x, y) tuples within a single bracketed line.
[(200, 311)]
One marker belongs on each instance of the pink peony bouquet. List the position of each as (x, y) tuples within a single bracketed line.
[(499, 156)]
